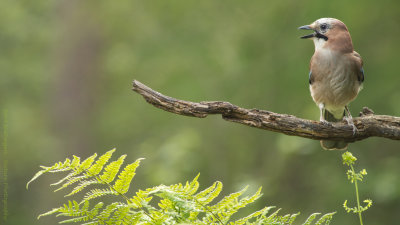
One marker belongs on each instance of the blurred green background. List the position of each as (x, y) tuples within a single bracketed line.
[(66, 73)]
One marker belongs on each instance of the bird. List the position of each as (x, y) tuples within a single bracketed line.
[(336, 74)]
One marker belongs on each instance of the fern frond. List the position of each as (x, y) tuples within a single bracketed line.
[(38, 174), (69, 176), (97, 193), (255, 214), (217, 212), (287, 219), (82, 185), (178, 203), (79, 168), (99, 164), (125, 177), (70, 209), (142, 198), (231, 205), (162, 218), (72, 179), (176, 187), (165, 204), (106, 213), (76, 219), (325, 218), (192, 187), (116, 213), (51, 212), (228, 200), (293, 218), (75, 162), (111, 170), (311, 218), (209, 194), (247, 200), (122, 216), (57, 167), (76, 168), (86, 164), (88, 215), (271, 219)]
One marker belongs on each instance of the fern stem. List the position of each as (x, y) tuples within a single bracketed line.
[(119, 193), (198, 202), (358, 198)]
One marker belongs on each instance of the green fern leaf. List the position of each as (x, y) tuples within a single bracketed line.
[(82, 185), (293, 218), (125, 177), (76, 219), (38, 174), (246, 219), (106, 213), (69, 176), (192, 187), (98, 166), (142, 198), (72, 209), (206, 191), (209, 194), (325, 218), (86, 164), (178, 203), (221, 211), (97, 193), (74, 164), (57, 167), (247, 200), (78, 169), (228, 200), (272, 217), (193, 215), (122, 216), (71, 180), (53, 211), (176, 187), (165, 204), (284, 219), (233, 205), (311, 218), (86, 215), (111, 170)]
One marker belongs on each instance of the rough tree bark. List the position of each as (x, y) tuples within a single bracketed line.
[(368, 124)]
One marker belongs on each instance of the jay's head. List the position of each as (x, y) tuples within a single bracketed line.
[(329, 33)]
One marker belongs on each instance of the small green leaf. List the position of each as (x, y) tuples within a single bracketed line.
[(126, 176)]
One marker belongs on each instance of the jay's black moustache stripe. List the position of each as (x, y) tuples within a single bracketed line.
[(319, 35)]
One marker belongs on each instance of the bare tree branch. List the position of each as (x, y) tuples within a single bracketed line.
[(368, 124)]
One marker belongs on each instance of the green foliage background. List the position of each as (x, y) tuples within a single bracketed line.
[(67, 68)]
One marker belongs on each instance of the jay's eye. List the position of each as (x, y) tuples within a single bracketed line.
[(323, 26)]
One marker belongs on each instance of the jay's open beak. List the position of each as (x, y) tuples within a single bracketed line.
[(307, 27)]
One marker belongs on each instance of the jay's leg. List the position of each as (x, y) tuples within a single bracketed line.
[(349, 119), (321, 113)]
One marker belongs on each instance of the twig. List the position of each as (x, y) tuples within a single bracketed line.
[(368, 124)]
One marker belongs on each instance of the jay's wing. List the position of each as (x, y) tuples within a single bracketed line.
[(359, 64)]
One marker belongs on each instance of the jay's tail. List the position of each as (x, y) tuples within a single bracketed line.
[(333, 145)]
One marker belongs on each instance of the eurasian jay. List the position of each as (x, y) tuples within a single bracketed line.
[(336, 73)]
